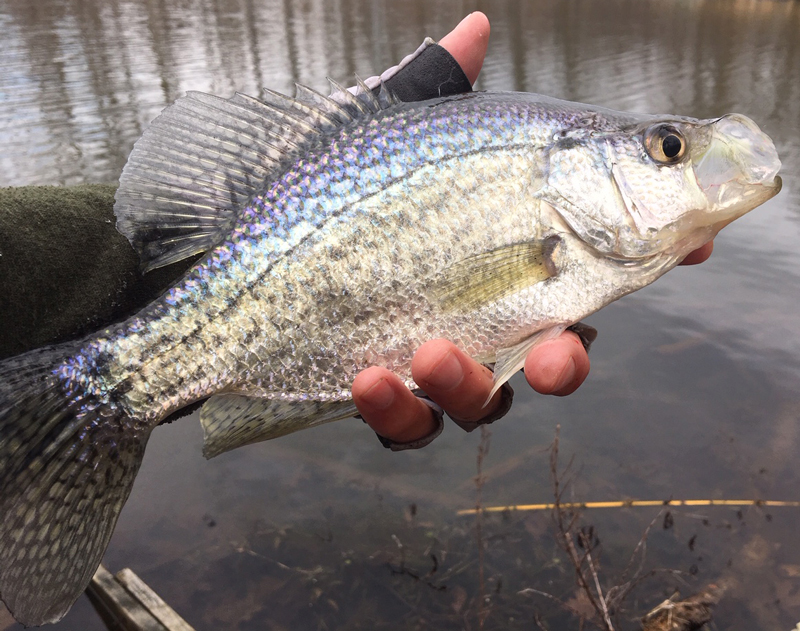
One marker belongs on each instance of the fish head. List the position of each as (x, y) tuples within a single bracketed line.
[(667, 185)]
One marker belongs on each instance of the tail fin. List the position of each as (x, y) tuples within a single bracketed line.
[(67, 465)]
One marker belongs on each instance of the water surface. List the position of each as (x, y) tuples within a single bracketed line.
[(693, 391)]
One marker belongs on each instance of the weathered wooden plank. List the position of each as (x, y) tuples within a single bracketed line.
[(6, 619), (118, 608), (152, 601)]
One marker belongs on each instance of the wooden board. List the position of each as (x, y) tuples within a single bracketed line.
[(126, 603)]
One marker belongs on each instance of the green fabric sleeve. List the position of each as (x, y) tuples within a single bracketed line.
[(65, 271)]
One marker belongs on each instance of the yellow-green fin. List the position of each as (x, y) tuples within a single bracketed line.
[(484, 278)]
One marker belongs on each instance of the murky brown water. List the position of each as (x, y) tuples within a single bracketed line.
[(694, 386)]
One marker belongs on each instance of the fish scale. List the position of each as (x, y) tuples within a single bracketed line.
[(282, 213), (339, 233)]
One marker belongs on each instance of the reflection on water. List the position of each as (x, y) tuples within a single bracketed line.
[(83, 78), (693, 391)]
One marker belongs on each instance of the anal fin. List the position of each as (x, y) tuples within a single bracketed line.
[(230, 421)]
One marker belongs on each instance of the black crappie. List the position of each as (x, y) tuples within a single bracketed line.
[(342, 233)]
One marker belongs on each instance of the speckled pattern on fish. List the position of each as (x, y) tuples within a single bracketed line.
[(342, 232)]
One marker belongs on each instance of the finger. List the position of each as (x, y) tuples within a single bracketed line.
[(390, 408), (699, 255), (454, 380), (557, 366), (467, 43)]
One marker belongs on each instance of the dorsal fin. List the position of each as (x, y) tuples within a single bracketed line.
[(357, 107), (312, 97), (204, 157), (365, 95), (386, 97)]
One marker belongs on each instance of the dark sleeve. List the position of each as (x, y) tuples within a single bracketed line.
[(432, 74), (65, 271)]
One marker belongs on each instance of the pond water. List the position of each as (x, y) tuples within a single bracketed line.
[(694, 386)]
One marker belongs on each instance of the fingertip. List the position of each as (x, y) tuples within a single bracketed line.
[(437, 366), (455, 381), (699, 255), (374, 389), (582, 367), (389, 408), (479, 24), (468, 42), (558, 366)]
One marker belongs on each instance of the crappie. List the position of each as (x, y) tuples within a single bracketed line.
[(342, 232)]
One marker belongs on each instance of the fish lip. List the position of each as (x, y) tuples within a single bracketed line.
[(763, 192), (739, 160), (770, 189)]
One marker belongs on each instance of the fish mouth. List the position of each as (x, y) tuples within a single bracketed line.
[(738, 169), (771, 189), (753, 150), (733, 199)]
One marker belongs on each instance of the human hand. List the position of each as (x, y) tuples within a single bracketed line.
[(454, 381), (699, 255), (460, 385)]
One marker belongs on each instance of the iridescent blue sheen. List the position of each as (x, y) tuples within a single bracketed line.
[(344, 168)]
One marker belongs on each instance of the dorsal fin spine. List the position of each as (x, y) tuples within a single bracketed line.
[(337, 114), (339, 92), (288, 114), (365, 94), (288, 106)]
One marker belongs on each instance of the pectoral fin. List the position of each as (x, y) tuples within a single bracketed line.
[(230, 421), (484, 278)]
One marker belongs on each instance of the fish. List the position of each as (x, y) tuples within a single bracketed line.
[(341, 232)]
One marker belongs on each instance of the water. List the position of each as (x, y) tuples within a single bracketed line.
[(693, 391)]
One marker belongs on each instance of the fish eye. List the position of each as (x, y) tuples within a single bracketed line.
[(665, 144)]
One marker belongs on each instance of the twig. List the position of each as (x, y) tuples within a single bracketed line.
[(565, 540), (531, 590), (570, 535), (617, 594), (483, 451), (600, 598)]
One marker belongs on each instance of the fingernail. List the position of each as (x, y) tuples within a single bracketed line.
[(447, 373), (380, 396), (566, 376)]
